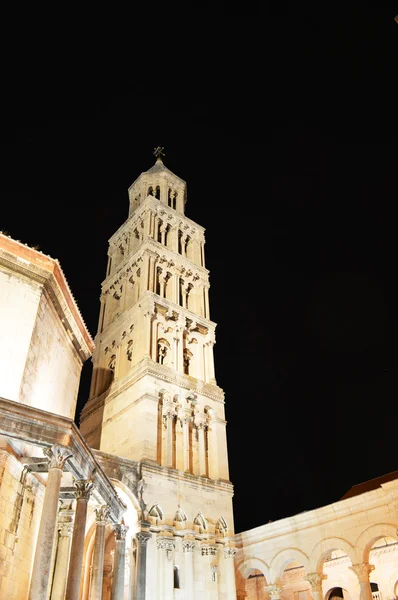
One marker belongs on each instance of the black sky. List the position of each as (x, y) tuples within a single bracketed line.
[(284, 125)]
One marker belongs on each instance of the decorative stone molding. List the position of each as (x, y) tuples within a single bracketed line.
[(120, 531), (362, 571), (65, 529), (188, 546), (209, 550), (229, 552), (57, 456), (274, 591), (143, 537), (102, 513), (315, 580), (83, 488), (165, 543)]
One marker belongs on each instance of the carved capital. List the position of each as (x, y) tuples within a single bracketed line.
[(362, 571), (143, 538), (209, 550), (102, 513), (315, 580), (65, 529), (274, 591), (163, 543), (188, 546), (57, 456), (120, 531), (83, 488), (229, 552)]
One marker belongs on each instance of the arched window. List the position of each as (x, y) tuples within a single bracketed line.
[(112, 363), (163, 351), (157, 193), (187, 360), (176, 578), (129, 350)]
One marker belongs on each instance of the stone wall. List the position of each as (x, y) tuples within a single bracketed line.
[(21, 499), (52, 371)]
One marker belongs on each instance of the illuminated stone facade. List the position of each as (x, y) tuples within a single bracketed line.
[(136, 503)]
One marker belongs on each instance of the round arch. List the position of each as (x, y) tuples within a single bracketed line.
[(248, 565), (283, 558), (368, 537), (327, 545)]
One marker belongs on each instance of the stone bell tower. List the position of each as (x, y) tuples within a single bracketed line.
[(153, 393)]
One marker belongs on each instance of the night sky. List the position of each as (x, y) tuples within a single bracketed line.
[(284, 124)]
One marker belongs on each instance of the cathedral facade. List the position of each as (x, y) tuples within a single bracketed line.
[(136, 502)]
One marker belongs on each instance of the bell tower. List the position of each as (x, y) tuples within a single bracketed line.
[(154, 395)]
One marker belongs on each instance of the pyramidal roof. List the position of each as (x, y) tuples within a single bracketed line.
[(159, 166)]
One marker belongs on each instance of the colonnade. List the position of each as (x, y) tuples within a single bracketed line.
[(361, 570), (61, 579), (188, 441)]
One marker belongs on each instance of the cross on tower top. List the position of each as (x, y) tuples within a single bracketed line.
[(158, 152)]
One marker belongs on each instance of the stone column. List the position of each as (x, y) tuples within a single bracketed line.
[(362, 571), (83, 487), (274, 591), (57, 456), (165, 548), (229, 554), (131, 553), (119, 562), (97, 572), (142, 540), (315, 580), (188, 547), (61, 565)]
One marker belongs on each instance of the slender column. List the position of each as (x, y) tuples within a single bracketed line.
[(83, 487), (142, 539), (57, 456), (185, 441), (229, 554), (119, 562), (61, 565), (97, 572), (274, 591), (207, 310), (165, 548), (210, 361), (188, 547), (362, 571), (131, 553), (315, 580)]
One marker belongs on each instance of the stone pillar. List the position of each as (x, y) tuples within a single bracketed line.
[(362, 571), (165, 548), (97, 572), (207, 309), (57, 456), (229, 554), (142, 540), (83, 488), (119, 562), (61, 565), (131, 553), (315, 580), (274, 591), (188, 547)]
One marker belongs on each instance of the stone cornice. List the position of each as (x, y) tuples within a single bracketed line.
[(148, 367), (343, 509), (194, 481), (47, 272), (44, 429), (150, 245), (147, 300)]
